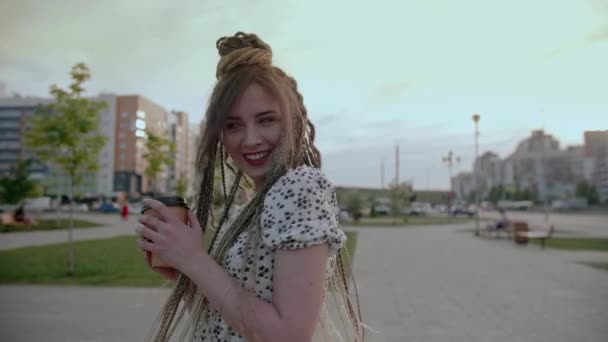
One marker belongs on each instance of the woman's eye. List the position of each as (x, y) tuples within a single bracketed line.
[(266, 120), (231, 126)]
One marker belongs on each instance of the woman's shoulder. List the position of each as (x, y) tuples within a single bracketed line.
[(301, 210), (303, 178)]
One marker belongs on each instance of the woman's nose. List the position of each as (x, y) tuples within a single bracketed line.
[(252, 136)]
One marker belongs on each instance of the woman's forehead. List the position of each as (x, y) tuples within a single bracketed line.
[(254, 100)]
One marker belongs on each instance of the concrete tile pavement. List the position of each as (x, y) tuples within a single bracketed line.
[(441, 284), (434, 283)]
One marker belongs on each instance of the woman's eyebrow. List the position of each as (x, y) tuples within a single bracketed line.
[(262, 113), (270, 111)]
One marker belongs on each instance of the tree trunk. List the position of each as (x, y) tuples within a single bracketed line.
[(70, 229), (58, 202)]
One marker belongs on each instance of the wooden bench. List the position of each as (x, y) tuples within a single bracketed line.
[(541, 233)]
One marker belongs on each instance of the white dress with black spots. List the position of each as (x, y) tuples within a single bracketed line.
[(300, 210)]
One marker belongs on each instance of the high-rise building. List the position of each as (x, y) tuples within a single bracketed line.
[(124, 122), (193, 144), (539, 165), (489, 166), (16, 117), (463, 186), (596, 151), (179, 134), (3, 91), (136, 115)]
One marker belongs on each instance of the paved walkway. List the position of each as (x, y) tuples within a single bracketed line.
[(113, 226), (432, 284), (442, 284)]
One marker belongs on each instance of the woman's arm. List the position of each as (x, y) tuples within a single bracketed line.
[(298, 279), (298, 292)]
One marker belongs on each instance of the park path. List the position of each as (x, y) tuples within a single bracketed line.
[(433, 283)]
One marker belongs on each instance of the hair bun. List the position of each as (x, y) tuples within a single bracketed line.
[(241, 49), (227, 45)]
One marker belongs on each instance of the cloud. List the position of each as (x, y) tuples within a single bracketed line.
[(594, 37), (390, 92)]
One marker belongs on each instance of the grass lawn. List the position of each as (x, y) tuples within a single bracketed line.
[(576, 244), (405, 221), (107, 262), (48, 224)]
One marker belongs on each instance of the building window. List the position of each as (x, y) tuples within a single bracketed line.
[(123, 146), (10, 124), (9, 145), (124, 114), (10, 113), (141, 114)]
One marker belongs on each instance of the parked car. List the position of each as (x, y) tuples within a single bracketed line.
[(457, 210), (107, 208), (412, 211)]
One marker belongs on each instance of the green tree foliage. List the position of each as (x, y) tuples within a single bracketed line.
[(354, 205), (399, 196), (64, 134), (588, 191), (181, 186), (157, 156), (16, 186), (372, 206)]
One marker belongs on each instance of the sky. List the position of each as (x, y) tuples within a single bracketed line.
[(373, 73)]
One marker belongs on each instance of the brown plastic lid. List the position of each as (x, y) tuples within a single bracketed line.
[(169, 201)]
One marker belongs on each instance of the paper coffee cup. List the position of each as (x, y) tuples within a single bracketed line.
[(178, 207)]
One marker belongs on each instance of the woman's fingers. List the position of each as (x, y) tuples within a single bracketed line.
[(147, 246), (162, 210), (148, 233), (193, 221), (153, 222)]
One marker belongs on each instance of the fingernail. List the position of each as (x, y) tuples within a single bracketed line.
[(138, 229)]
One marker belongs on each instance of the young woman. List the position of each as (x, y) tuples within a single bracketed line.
[(272, 271)]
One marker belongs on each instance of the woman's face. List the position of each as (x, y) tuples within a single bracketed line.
[(252, 131)]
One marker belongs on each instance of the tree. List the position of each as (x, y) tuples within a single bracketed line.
[(157, 156), (372, 206), (354, 205), (64, 134), (16, 186), (588, 191), (525, 195), (181, 186), (496, 194), (399, 196)]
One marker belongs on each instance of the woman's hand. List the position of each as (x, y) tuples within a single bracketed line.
[(176, 244), (167, 272)]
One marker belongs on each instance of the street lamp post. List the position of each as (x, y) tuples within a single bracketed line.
[(450, 160), (476, 118)]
